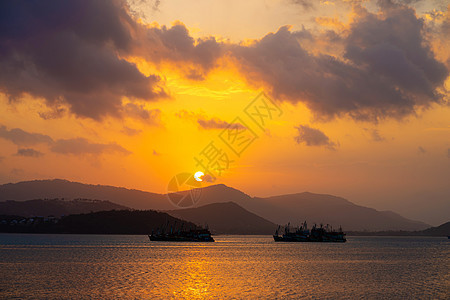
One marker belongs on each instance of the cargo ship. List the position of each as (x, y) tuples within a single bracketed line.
[(191, 235), (316, 234)]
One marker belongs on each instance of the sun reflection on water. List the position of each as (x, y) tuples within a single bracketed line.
[(122, 267), (196, 282)]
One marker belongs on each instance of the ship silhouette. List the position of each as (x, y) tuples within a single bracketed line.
[(316, 234), (172, 234)]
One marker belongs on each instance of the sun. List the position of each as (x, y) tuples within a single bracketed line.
[(198, 176)]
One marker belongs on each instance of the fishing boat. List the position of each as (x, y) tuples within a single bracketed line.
[(181, 235), (300, 234), (316, 234)]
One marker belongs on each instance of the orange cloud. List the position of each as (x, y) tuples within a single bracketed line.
[(330, 22), (207, 123)]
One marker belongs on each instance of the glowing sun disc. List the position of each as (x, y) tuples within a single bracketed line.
[(198, 176)]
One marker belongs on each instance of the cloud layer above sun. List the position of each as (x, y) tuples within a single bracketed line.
[(77, 54)]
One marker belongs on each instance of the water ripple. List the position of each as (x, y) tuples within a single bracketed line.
[(236, 267)]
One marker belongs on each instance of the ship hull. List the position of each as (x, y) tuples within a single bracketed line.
[(278, 238), (306, 240), (154, 238)]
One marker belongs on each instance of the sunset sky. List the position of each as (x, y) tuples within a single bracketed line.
[(130, 94)]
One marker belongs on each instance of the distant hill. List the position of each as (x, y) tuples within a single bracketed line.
[(442, 230), (56, 207), (328, 209), (314, 208), (226, 218), (294, 208), (57, 188), (104, 222)]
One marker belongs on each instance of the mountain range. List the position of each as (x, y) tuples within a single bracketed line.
[(101, 222), (441, 230), (314, 208), (56, 207), (58, 188), (226, 218), (294, 208)]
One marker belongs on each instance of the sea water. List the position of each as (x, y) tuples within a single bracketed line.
[(44, 266)]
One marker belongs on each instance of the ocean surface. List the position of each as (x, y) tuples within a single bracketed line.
[(234, 267)]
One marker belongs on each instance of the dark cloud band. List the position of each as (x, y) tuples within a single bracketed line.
[(313, 137), (387, 69), (74, 146), (72, 51)]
